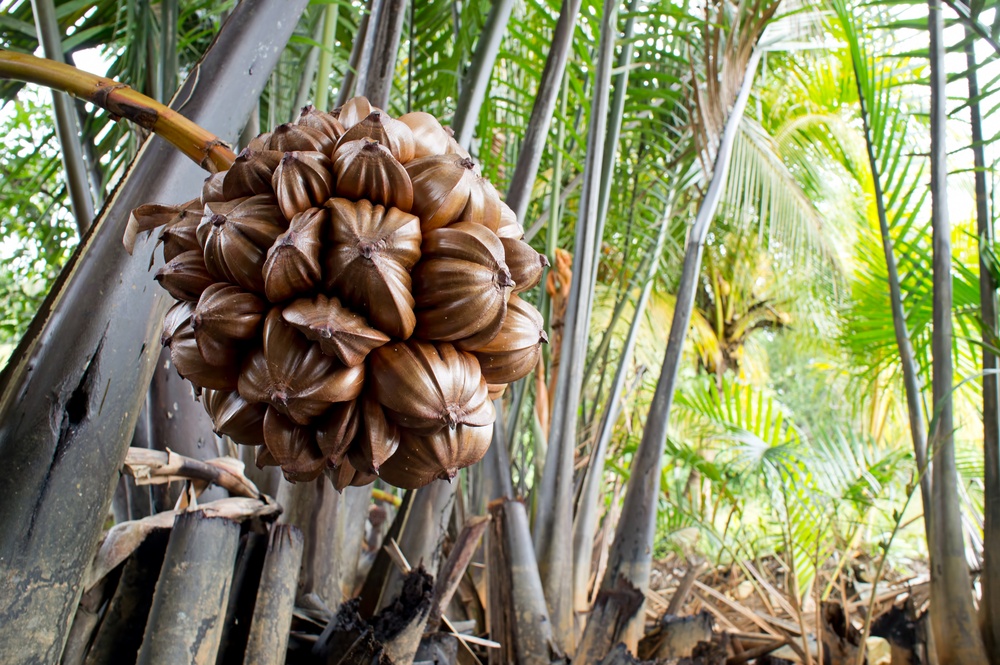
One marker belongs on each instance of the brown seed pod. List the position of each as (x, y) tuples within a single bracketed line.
[(235, 417), (461, 285), (377, 438), (324, 122), (293, 447), (235, 237), (509, 226), (429, 137), (293, 138), (514, 352), (151, 216), (421, 459), (483, 206), (250, 174), (496, 390), (264, 458), (339, 331), (259, 142), (181, 235), (294, 375), (441, 186), (178, 334), (378, 126), (185, 276), (429, 386), (211, 190), (345, 474), (526, 265), (366, 169), (225, 316), (354, 111), (455, 148), (336, 429), (368, 264), (177, 316), (302, 180), (292, 265)]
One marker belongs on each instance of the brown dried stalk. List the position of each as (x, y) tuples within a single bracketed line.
[(152, 467), (121, 101)]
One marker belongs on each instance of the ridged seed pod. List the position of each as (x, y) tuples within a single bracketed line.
[(178, 335), (324, 122), (391, 133), (426, 386), (292, 447), (514, 352), (259, 142), (302, 180), (336, 429), (250, 174), (294, 138), (225, 316), (235, 237), (421, 459), (461, 285), (526, 265), (346, 475), (211, 190), (509, 226), (181, 234), (339, 331), (377, 438), (292, 266), (483, 206), (154, 215), (294, 375), (429, 137), (372, 252), (185, 276), (366, 169), (441, 186), (354, 111), (235, 417)]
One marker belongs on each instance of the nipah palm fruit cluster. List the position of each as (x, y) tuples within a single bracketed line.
[(347, 298)]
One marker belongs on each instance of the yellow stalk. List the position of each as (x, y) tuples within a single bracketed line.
[(121, 101)]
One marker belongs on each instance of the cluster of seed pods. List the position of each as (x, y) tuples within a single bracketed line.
[(347, 298)]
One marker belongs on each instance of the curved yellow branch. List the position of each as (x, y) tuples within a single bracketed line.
[(121, 101)]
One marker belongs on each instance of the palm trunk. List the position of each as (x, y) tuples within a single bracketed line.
[(989, 609), (347, 88), (553, 532), (168, 49), (70, 397), (953, 620), (477, 79), (518, 615), (907, 360), (67, 130), (330, 17), (617, 613), (537, 133), (378, 60), (585, 520)]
